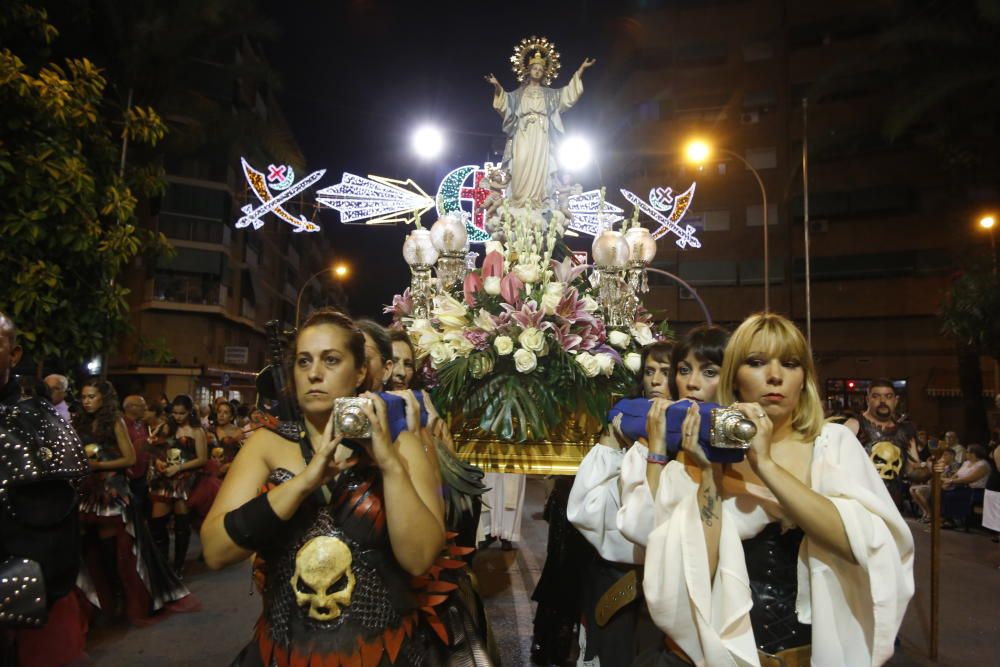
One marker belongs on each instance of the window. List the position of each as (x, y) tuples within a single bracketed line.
[(701, 54), (191, 276), (713, 221), (709, 272), (752, 271), (875, 265), (760, 99), (762, 158), (755, 215), (191, 213), (757, 51)]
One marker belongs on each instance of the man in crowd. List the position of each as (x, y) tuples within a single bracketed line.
[(135, 409), (921, 493), (39, 525), (879, 424), (58, 386)]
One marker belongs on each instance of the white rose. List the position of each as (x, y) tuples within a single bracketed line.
[(528, 273), (525, 361), (589, 304), (589, 363), (532, 339), (441, 353), (552, 295), (492, 285), (619, 339), (642, 333), (504, 345), (494, 246), (462, 346), (606, 363), (633, 361)]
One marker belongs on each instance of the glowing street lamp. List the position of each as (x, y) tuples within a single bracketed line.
[(428, 142), (341, 270), (697, 151)]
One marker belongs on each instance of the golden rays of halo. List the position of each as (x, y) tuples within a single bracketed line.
[(527, 48)]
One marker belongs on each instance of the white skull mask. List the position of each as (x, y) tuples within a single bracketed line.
[(887, 459), (173, 456), (323, 581)]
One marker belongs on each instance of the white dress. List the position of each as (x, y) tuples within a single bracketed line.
[(635, 516), (855, 609)]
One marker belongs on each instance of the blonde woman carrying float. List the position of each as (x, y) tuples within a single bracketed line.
[(795, 556)]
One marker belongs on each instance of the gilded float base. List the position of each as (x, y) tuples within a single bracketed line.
[(560, 455)]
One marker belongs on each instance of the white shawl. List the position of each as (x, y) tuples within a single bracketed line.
[(855, 609), (593, 505)]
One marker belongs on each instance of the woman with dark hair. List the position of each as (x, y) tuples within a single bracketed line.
[(180, 450), (795, 555), (346, 531), (694, 374), (124, 574), (654, 370)]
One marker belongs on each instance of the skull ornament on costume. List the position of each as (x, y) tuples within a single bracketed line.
[(217, 453), (887, 459), (93, 451), (173, 456), (323, 581)]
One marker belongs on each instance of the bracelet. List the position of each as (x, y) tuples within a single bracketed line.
[(659, 459), (254, 525)]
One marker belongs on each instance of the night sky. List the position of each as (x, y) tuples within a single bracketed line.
[(359, 76)]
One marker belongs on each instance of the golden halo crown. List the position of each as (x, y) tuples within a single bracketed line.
[(531, 50)]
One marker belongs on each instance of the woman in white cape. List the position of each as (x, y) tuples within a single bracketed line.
[(796, 555)]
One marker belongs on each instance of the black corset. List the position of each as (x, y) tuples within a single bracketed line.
[(772, 562)]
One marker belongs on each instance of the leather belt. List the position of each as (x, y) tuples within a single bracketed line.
[(791, 657), (622, 592)]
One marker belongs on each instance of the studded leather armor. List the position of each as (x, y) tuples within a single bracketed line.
[(41, 463)]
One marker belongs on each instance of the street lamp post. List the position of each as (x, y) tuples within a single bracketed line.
[(339, 270), (698, 152), (989, 223)]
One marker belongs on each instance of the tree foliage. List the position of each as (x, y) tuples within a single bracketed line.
[(68, 213), (971, 311)]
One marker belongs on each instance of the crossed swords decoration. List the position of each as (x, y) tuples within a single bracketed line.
[(380, 200)]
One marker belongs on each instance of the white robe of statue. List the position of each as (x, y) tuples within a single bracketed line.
[(531, 129), (503, 506)]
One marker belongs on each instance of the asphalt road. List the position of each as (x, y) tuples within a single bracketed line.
[(969, 603)]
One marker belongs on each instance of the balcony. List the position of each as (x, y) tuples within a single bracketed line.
[(195, 290)]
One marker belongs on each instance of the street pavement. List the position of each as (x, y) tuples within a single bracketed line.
[(970, 595)]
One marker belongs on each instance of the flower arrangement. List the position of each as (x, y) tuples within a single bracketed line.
[(521, 344)]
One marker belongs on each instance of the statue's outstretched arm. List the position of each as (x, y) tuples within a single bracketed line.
[(587, 63), (497, 88)]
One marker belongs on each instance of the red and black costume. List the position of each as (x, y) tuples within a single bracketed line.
[(361, 609), (165, 452), (124, 567)]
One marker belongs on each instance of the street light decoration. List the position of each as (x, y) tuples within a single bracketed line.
[(280, 179), (375, 200), (668, 209)]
